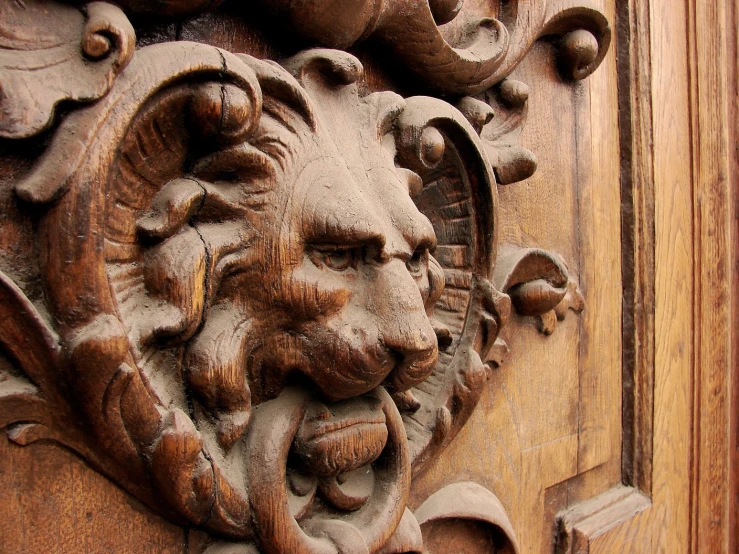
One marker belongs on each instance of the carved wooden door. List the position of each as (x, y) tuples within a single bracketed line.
[(365, 276)]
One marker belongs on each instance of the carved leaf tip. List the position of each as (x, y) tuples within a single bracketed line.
[(584, 38), (26, 335), (539, 285), (445, 11), (89, 51), (466, 501), (339, 68), (578, 51)]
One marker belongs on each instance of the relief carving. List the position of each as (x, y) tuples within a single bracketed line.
[(270, 300)]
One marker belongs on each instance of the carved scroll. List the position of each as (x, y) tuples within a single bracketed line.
[(50, 53), (453, 48)]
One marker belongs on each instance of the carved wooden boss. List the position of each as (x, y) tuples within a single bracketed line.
[(258, 299)]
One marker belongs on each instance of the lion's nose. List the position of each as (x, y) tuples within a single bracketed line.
[(414, 368), (405, 328)]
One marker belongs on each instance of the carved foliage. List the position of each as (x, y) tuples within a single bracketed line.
[(454, 47), (50, 53)]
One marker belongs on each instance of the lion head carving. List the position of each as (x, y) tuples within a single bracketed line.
[(272, 296), (290, 250)]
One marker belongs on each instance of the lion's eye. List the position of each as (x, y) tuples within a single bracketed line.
[(339, 260), (417, 263), (336, 258)]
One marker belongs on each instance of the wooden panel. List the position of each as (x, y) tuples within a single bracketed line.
[(51, 502), (683, 84), (712, 216)]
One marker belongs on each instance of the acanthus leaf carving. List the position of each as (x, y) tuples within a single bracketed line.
[(539, 285), (51, 53), (498, 115)]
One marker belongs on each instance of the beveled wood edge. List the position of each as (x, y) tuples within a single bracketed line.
[(583, 523)]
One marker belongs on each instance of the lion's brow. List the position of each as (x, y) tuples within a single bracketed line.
[(353, 234)]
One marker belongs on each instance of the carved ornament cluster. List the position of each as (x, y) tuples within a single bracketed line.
[(269, 300)]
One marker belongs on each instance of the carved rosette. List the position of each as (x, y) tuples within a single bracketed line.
[(269, 300)]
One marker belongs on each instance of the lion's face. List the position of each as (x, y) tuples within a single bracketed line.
[(344, 285)]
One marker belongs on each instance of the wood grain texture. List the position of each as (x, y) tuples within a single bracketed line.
[(733, 122), (637, 237), (54, 502), (709, 37), (600, 260)]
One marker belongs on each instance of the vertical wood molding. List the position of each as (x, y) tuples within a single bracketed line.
[(733, 129), (637, 235), (712, 219)]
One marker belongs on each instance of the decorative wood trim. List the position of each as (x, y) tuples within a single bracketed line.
[(709, 35), (580, 526)]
